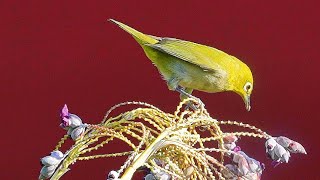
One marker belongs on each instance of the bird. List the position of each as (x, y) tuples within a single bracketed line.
[(188, 66)]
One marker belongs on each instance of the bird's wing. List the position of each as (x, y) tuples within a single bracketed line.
[(206, 57)]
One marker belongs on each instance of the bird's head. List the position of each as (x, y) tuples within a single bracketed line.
[(245, 93), (242, 83)]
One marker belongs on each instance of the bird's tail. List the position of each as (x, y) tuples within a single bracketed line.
[(140, 37)]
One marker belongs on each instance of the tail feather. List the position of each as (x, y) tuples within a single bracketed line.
[(140, 37)]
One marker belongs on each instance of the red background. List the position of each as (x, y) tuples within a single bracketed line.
[(56, 52)]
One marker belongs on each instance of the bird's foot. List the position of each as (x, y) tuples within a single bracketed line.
[(193, 105), (200, 103)]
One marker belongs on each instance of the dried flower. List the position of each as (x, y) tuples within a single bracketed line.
[(49, 164), (276, 152), (160, 175), (230, 142), (69, 120), (290, 145), (72, 123), (113, 175), (77, 132), (188, 171), (254, 165), (169, 145)]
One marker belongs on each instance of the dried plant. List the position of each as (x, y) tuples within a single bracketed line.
[(171, 146)]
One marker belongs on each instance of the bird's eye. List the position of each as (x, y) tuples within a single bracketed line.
[(247, 87)]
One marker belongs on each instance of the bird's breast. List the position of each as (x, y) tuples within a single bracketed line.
[(195, 77)]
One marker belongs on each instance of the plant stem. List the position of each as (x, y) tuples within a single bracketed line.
[(127, 175)]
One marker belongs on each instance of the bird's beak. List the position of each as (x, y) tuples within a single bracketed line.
[(247, 102)]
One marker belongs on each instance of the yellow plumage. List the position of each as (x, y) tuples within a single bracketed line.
[(194, 66)]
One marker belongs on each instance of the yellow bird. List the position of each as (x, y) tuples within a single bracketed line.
[(187, 66)]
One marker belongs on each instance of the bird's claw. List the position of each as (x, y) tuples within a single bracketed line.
[(195, 106)]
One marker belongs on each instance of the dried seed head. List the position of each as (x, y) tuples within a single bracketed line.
[(188, 171)]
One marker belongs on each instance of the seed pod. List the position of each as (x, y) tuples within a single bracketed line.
[(164, 176), (290, 145), (229, 146), (41, 177), (77, 132), (54, 158), (149, 177), (70, 131), (230, 139), (68, 119), (230, 171), (242, 164), (276, 152), (188, 171), (75, 121), (57, 154), (46, 172), (113, 175), (49, 161)]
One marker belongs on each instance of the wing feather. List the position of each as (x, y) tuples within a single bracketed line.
[(206, 57)]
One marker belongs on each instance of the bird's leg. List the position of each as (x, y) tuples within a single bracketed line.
[(186, 92), (173, 83), (183, 92), (184, 96)]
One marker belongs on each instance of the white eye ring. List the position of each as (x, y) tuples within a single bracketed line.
[(247, 87)]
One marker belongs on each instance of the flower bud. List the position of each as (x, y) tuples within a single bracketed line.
[(75, 121), (230, 172), (68, 119), (188, 171), (77, 132), (54, 158), (113, 175), (290, 145), (161, 175), (230, 139), (276, 152), (149, 177), (229, 146), (49, 161), (57, 154), (46, 172)]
